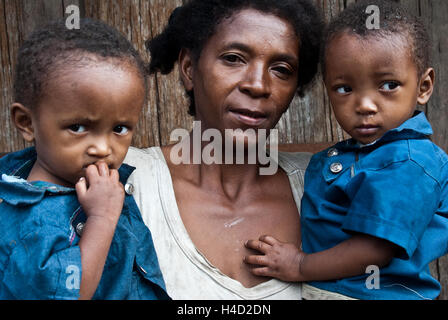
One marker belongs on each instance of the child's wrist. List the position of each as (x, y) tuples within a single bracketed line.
[(104, 222), (301, 263)]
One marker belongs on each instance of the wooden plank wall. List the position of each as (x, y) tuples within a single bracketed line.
[(308, 120)]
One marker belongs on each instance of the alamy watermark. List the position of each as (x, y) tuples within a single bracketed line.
[(236, 147), (73, 20), (73, 281), (373, 21), (373, 280)]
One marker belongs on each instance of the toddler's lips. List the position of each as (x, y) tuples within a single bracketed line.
[(367, 130)]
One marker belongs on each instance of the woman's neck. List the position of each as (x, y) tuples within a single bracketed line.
[(230, 180)]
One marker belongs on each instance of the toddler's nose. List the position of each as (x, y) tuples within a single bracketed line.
[(367, 106), (100, 149)]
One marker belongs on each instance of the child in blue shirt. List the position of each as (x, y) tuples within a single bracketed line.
[(375, 207), (68, 227)]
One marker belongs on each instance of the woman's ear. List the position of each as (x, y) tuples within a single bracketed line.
[(426, 86), (186, 68), (22, 119)]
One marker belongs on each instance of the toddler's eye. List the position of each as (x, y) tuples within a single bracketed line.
[(390, 86), (343, 89), (121, 130), (77, 128)]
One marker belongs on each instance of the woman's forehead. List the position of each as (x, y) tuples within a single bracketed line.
[(253, 19), (250, 27)]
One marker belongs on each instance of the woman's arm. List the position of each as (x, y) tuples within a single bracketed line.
[(286, 262)]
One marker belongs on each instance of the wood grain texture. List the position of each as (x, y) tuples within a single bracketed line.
[(308, 120)]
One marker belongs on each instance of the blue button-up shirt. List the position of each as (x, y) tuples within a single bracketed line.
[(39, 234), (395, 189)]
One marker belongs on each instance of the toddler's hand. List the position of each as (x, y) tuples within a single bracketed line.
[(278, 259), (104, 196)]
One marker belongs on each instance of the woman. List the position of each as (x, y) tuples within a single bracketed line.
[(241, 63)]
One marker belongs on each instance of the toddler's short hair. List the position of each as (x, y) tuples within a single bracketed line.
[(54, 48), (394, 19)]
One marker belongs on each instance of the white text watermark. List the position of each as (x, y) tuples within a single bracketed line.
[(236, 147)]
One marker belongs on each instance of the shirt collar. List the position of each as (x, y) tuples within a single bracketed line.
[(417, 127), (19, 164)]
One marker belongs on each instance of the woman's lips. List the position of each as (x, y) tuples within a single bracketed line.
[(248, 117)]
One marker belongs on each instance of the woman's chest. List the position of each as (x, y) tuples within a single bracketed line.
[(219, 229)]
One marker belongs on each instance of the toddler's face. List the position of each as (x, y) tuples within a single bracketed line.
[(86, 115), (372, 84)]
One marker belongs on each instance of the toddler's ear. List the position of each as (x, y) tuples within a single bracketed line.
[(22, 119), (426, 86)]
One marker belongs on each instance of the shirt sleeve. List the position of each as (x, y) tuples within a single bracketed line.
[(43, 266), (395, 203)]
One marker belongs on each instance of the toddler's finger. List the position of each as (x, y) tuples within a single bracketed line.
[(268, 239), (262, 272), (81, 187), (92, 172), (257, 245), (114, 175), (256, 260), (103, 169)]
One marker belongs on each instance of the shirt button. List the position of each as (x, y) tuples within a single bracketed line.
[(79, 228), (332, 152), (336, 167), (129, 188)]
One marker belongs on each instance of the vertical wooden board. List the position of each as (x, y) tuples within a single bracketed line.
[(5, 82), (434, 13), (442, 268), (173, 107), (148, 127), (299, 124), (91, 8), (39, 12), (11, 38)]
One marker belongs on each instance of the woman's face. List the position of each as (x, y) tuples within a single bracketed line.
[(247, 72)]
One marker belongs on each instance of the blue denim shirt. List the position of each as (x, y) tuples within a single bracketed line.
[(395, 189), (39, 234)]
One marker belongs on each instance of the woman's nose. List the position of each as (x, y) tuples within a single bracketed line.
[(256, 82)]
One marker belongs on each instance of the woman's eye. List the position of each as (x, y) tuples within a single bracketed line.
[(283, 71), (343, 89), (121, 130), (232, 58), (77, 128), (390, 86)]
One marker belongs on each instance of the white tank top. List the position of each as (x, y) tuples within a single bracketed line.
[(188, 274)]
